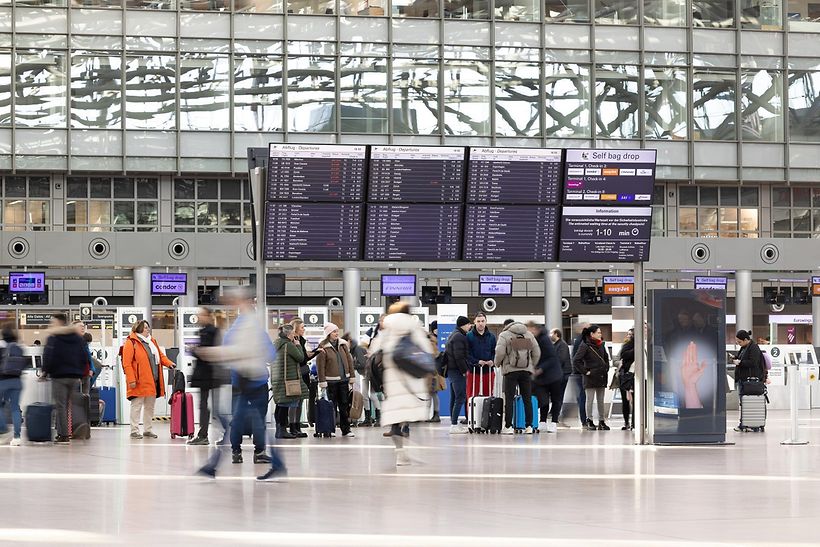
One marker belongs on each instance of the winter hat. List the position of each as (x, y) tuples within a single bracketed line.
[(329, 328), (433, 326), (461, 321)]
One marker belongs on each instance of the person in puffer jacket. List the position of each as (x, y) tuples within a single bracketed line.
[(517, 353)]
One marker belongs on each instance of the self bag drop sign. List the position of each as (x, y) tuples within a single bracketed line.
[(169, 284)]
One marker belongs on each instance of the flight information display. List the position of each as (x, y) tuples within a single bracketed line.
[(605, 234), (514, 176), (404, 231), (524, 233), (316, 172), (312, 231), (416, 174), (609, 177)]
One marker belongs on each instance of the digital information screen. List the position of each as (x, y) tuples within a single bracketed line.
[(525, 233), (619, 285), (495, 285), (417, 174), (312, 231), (169, 284), (398, 285), (27, 282), (305, 172), (514, 176), (413, 232), (815, 286), (612, 177), (605, 234), (711, 283)]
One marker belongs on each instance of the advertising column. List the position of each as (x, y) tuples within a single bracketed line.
[(447, 316), (688, 351), (369, 319)]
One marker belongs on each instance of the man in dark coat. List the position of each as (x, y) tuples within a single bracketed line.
[(207, 376)]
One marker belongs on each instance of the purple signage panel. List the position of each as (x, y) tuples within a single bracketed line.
[(169, 284), (495, 285), (710, 283), (605, 234), (612, 177), (27, 282), (398, 285)]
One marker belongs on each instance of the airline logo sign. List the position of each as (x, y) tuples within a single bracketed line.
[(623, 285), (815, 286)]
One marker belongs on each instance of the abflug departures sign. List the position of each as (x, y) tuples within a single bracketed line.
[(169, 284), (302, 172)]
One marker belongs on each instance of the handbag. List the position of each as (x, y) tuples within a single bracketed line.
[(293, 388)]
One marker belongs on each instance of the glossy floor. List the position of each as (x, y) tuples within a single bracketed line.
[(573, 488)]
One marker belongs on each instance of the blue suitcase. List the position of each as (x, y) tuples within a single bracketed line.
[(519, 420), (109, 396), (325, 418), (38, 422)]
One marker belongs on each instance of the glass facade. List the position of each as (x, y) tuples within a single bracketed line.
[(726, 91)]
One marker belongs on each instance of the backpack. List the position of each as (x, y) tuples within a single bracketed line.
[(13, 362), (767, 360), (412, 360), (133, 344), (519, 344), (441, 363)]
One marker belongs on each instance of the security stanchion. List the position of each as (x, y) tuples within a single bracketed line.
[(793, 380)]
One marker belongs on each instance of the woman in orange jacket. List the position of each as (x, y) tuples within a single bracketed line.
[(142, 362)]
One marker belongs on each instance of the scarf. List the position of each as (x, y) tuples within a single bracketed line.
[(150, 343), (596, 343)]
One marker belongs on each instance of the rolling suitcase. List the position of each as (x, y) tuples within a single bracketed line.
[(492, 416), (108, 410), (753, 409), (325, 418), (520, 420), (38, 420), (95, 407), (182, 415), (78, 424), (475, 405)]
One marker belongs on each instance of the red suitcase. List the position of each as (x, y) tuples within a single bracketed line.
[(182, 415)]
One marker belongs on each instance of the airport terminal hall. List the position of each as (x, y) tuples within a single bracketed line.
[(400, 273)]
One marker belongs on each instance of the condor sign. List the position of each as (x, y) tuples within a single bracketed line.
[(165, 284)]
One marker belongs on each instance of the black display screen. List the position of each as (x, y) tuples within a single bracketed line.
[(609, 177), (524, 233), (416, 174), (305, 172), (413, 232), (605, 234), (312, 231), (514, 176)]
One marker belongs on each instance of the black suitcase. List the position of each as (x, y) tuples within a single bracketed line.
[(325, 418), (38, 420), (493, 413), (79, 426), (94, 416)]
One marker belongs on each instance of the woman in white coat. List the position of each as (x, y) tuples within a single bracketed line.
[(407, 399)]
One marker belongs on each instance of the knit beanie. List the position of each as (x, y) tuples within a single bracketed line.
[(461, 321), (329, 328)]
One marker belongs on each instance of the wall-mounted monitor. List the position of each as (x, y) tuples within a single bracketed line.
[(417, 174), (619, 285), (495, 285), (815, 286), (514, 176), (613, 177), (316, 172), (274, 285), (710, 283), (169, 284), (27, 282), (398, 285), (605, 234)]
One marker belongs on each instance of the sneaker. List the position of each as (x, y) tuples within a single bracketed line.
[(207, 472), (273, 475), (591, 425), (261, 457), (602, 426), (62, 440), (528, 431), (458, 430), (136, 435), (5, 438), (402, 458), (552, 427), (199, 441), (16, 441), (508, 431), (236, 457), (150, 435), (349, 435)]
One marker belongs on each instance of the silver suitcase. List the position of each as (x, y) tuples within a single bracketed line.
[(753, 412)]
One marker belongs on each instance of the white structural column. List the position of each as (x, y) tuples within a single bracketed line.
[(190, 299), (258, 185), (552, 299), (743, 300), (815, 317), (352, 299), (142, 289)]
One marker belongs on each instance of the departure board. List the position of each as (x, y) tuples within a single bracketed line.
[(404, 231), (417, 174), (312, 231), (523, 233), (605, 234), (514, 176), (609, 177), (316, 173)]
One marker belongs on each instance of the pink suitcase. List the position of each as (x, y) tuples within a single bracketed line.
[(182, 415)]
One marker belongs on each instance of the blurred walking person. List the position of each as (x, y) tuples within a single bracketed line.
[(406, 398), (207, 376), (12, 363), (65, 361)]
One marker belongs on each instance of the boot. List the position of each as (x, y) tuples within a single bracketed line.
[(602, 426), (283, 433), (591, 425), (296, 432), (368, 420), (377, 422), (436, 419)]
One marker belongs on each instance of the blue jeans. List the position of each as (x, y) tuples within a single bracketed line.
[(10, 390), (257, 402), (458, 394), (578, 380)]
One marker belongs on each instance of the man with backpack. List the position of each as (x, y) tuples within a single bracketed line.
[(516, 353)]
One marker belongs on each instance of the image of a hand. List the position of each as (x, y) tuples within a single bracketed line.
[(691, 372)]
